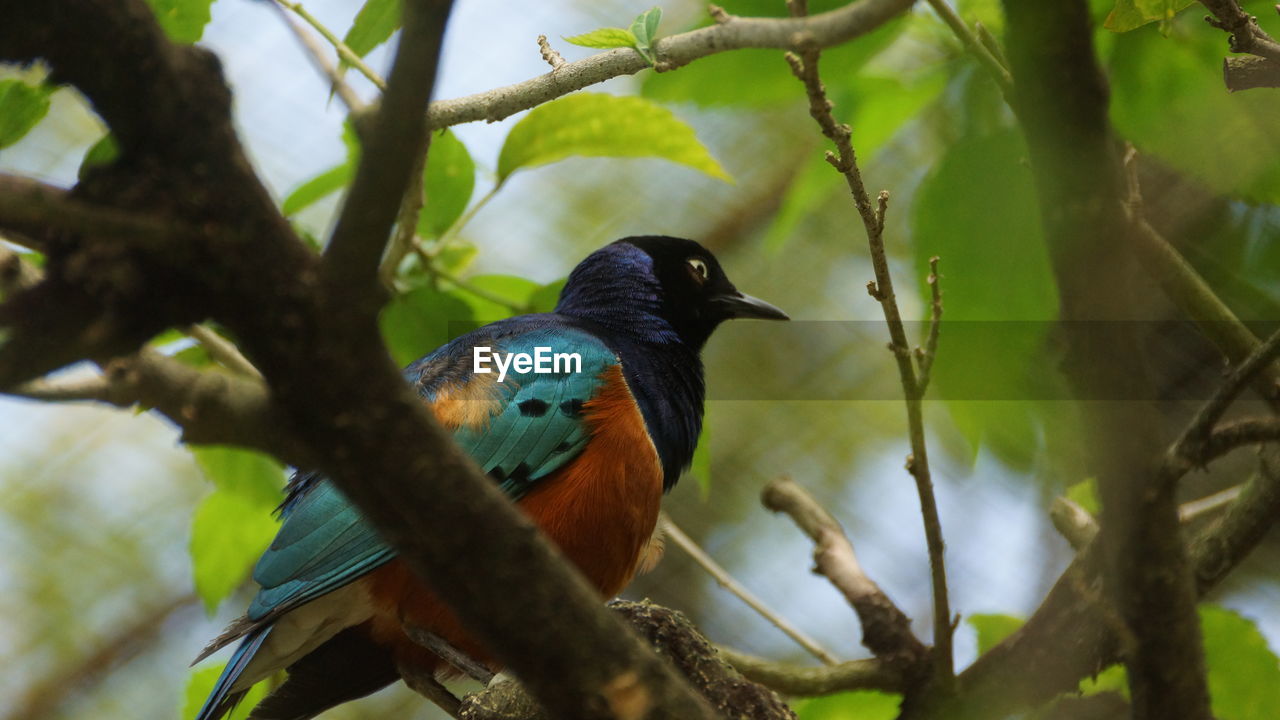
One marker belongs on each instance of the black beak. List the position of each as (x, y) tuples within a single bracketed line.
[(737, 305)]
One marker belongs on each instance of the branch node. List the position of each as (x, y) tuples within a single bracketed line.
[(719, 14), (549, 54)]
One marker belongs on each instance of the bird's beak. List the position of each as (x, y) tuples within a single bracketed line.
[(738, 305)]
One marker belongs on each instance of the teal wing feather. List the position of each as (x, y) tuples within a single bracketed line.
[(537, 428)]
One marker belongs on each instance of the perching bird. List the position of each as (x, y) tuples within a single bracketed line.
[(586, 452)]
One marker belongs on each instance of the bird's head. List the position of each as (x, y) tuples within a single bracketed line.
[(660, 288)]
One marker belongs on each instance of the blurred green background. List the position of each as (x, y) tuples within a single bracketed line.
[(101, 510)]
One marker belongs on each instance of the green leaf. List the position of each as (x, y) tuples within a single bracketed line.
[(1085, 494), (999, 290), (183, 20), (234, 523), (604, 38), (596, 125), (421, 320), (228, 534), (544, 299), (514, 290), (1184, 116), (456, 257), (103, 152), (200, 684), (1132, 14), (244, 472), (993, 628), (317, 188), (1244, 674), (645, 30), (859, 705), (22, 105), (449, 179), (374, 25)]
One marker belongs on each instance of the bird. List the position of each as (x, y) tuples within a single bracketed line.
[(586, 448)]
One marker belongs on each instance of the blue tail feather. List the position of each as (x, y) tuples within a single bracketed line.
[(221, 700)]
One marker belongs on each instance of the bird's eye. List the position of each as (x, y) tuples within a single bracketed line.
[(699, 268)]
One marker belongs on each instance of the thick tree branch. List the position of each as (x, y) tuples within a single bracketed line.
[(1249, 72), (1061, 103), (320, 352), (35, 208), (886, 630), (824, 30)]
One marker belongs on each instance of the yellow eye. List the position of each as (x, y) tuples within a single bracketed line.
[(699, 268)]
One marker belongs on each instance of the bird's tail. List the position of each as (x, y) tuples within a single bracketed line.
[(222, 699)]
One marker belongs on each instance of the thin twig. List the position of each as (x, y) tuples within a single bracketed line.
[(991, 44), (886, 630), (224, 351), (925, 356), (407, 221), (460, 661), (975, 45), (807, 680), (804, 65), (1201, 507), (316, 53), (429, 263), (1192, 448), (549, 54), (727, 581), (1246, 35), (346, 53)]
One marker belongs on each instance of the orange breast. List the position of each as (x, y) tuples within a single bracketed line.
[(601, 509)]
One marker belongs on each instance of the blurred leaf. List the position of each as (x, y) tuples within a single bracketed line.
[(515, 290), (22, 106), (228, 533), (317, 188), (244, 472), (978, 212), (103, 152), (1085, 494), (993, 628), (604, 38), (449, 179), (374, 25), (1113, 679), (544, 299), (859, 705), (1185, 117), (417, 322), (456, 257), (1244, 674), (200, 683), (596, 125), (1130, 14), (183, 20), (757, 77), (645, 30), (987, 12)]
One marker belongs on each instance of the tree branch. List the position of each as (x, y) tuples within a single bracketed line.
[(825, 30), (1246, 35), (886, 630), (33, 208), (804, 66), (815, 680), (1249, 72)]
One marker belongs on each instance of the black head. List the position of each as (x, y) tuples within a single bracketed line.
[(658, 287)]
